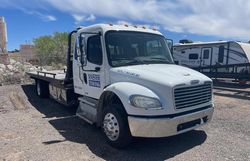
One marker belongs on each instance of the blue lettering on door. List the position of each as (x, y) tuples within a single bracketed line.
[(94, 80)]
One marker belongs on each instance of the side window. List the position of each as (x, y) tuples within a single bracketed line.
[(94, 50), (193, 56), (205, 54), (221, 54)]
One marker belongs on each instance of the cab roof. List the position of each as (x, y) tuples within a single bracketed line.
[(111, 27)]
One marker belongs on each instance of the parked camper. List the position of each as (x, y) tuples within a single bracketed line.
[(204, 54)]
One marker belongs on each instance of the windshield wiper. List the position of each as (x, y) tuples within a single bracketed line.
[(153, 60), (161, 60), (125, 62), (143, 60), (134, 62)]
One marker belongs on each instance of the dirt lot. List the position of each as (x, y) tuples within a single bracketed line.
[(41, 129)]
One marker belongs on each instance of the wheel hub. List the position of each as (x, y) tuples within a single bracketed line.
[(111, 126)]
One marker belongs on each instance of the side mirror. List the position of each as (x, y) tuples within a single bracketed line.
[(83, 60), (82, 46), (170, 44)]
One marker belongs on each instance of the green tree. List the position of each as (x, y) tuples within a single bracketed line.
[(44, 48), (51, 49), (61, 43)]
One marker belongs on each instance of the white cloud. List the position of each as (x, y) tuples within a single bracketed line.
[(44, 17), (31, 7), (223, 18), (91, 18), (50, 18), (80, 18)]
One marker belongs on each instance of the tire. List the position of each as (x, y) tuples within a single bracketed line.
[(42, 89), (115, 126)]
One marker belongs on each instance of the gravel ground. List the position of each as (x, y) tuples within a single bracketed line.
[(41, 129)]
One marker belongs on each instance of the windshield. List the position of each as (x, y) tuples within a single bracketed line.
[(134, 48)]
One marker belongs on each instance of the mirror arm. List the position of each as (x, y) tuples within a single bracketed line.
[(172, 45)]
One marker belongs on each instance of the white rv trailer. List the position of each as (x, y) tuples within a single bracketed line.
[(204, 54)]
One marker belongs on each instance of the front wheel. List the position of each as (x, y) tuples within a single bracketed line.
[(115, 127)]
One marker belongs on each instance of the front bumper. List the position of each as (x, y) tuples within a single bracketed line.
[(163, 127)]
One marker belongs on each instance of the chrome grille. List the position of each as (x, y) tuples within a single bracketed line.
[(186, 97)]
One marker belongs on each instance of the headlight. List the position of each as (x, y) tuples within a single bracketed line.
[(145, 102)]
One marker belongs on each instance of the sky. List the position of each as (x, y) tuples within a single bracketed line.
[(198, 20)]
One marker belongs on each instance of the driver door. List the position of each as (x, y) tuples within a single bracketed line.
[(91, 76)]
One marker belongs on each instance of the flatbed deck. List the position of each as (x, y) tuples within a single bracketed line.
[(49, 76), (53, 83)]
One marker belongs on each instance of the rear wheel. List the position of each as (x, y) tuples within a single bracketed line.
[(42, 89)]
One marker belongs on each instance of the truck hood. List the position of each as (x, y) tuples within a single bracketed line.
[(161, 74)]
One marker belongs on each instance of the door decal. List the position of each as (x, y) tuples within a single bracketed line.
[(94, 80)]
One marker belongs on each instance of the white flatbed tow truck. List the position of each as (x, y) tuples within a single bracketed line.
[(123, 79)]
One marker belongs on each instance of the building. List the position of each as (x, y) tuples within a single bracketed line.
[(27, 53), (3, 35)]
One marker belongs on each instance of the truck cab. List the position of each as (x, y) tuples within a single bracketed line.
[(126, 82)]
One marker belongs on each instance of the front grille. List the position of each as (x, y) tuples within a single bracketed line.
[(192, 96)]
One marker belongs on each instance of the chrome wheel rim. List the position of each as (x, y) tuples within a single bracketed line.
[(111, 126), (38, 89)]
